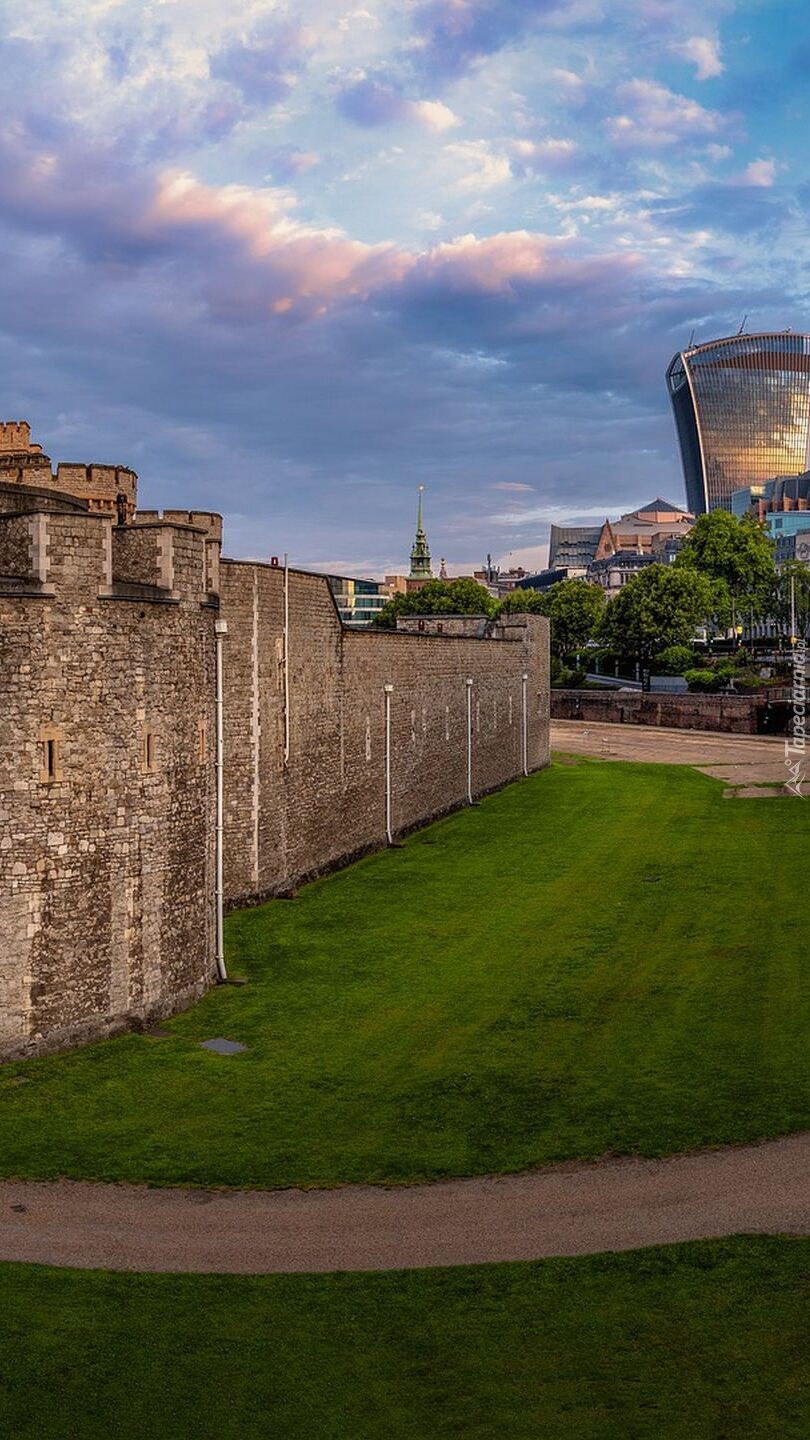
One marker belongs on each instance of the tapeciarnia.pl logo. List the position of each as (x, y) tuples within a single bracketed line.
[(796, 744)]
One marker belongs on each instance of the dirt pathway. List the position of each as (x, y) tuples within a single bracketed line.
[(753, 766), (563, 1210)]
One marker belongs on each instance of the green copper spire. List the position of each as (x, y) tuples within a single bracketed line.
[(420, 553)]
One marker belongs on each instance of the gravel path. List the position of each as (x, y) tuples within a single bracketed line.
[(574, 1209)]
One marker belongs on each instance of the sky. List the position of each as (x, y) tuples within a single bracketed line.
[(291, 262)]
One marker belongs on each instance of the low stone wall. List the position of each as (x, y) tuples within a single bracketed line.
[(760, 714)]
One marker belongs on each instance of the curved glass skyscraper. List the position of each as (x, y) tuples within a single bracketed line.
[(742, 411)]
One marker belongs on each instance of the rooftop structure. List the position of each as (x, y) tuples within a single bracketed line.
[(572, 546), (420, 552), (742, 413), (575, 547)]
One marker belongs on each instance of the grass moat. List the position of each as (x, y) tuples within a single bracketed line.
[(703, 1341), (607, 957)]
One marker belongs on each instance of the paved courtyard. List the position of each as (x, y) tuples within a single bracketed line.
[(753, 766)]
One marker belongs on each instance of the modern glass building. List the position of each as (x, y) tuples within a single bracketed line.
[(357, 600), (742, 412)]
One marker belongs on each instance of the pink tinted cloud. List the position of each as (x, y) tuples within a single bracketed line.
[(245, 253), (653, 116)]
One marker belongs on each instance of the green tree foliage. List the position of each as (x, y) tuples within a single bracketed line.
[(573, 607), (575, 610), (662, 605), (737, 552), (521, 602), (439, 597), (780, 606), (674, 660)]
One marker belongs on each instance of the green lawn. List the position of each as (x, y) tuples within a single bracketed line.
[(703, 1341), (606, 957)]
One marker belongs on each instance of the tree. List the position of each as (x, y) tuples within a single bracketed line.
[(575, 610), (662, 605), (438, 597), (780, 606), (738, 552), (521, 602)]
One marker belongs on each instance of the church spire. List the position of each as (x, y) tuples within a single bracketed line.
[(420, 553)]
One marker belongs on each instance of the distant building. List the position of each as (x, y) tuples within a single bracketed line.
[(358, 600), (572, 546), (783, 506), (420, 551), (497, 581), (742, 413), (610, 553), (544, 579)]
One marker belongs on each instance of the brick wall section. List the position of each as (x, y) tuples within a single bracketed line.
[(735, 714), (106, 871), (328, 803), (135, 557), (15, 545)]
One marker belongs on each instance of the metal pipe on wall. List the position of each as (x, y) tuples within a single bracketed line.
[(389, 690), (525, 722), (220, 631), (469, 742), (286, 662)]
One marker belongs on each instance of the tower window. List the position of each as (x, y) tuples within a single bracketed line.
[(148, 752), (50, 771)]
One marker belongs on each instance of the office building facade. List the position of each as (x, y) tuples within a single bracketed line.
[(742, 413)]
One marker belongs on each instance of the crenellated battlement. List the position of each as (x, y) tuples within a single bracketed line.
[(105, 489), (72, 554), (15, 438), (208, 520), (108, 489)]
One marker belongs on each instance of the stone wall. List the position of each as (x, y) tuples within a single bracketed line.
[(735, 714), (327, 803), (106, 794), (107, 743)]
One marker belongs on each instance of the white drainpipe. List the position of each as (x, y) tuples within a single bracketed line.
[(469, 742), (220, 631), (389, 690), (286, 663), (525, 724)]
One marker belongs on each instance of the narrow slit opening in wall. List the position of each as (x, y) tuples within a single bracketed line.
[(49, 759), (201, 742), (149, 750)]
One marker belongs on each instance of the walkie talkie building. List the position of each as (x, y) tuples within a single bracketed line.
[(742, 412)]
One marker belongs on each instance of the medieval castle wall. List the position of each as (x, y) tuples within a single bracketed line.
[(107, 729), (285, 820), (106, 785)]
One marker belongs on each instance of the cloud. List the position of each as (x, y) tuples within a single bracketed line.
[(532, 157), (702, 51), (655, 116), (483, 168), (287, 161), (373, 102), (181, 287), (433, 114), (265, 66), (759, 173), (451, 35), (370, 102)]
